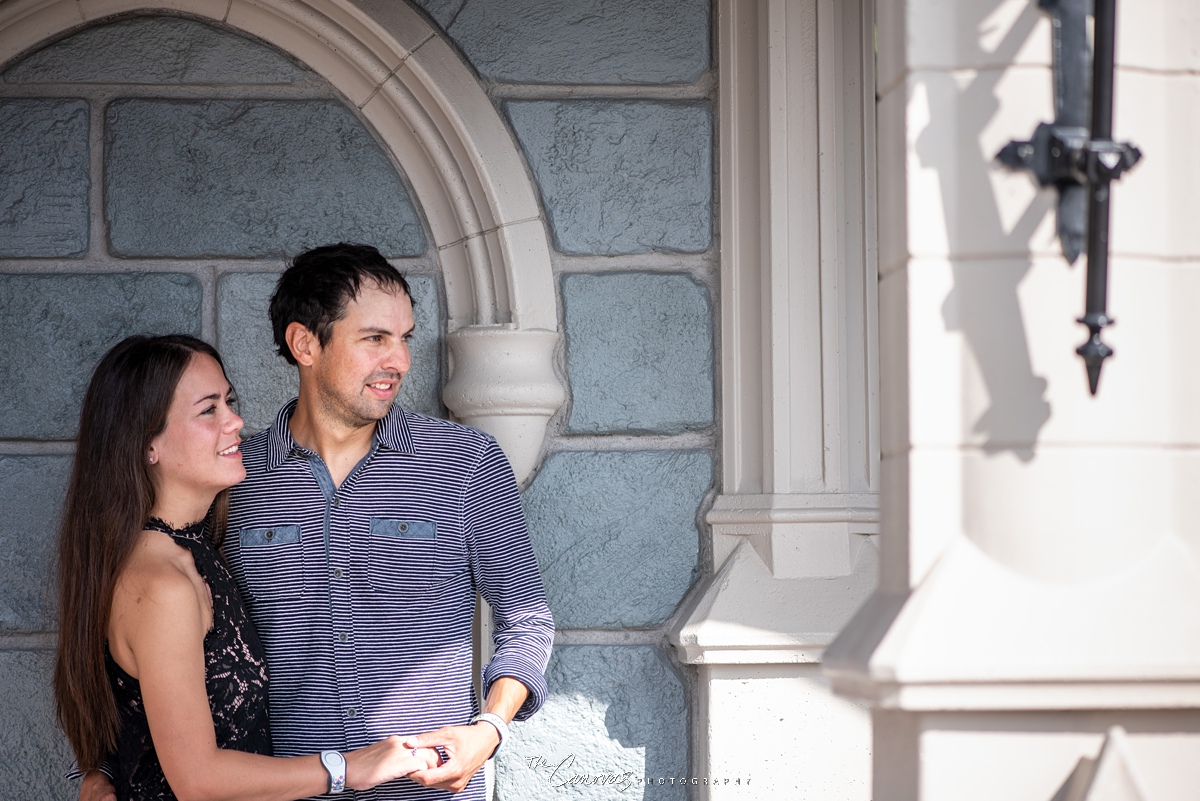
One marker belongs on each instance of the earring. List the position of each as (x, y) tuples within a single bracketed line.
[(153, 458)]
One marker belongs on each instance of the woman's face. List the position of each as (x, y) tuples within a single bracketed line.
[(198, 451)]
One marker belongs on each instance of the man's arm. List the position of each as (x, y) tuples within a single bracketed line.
[(504, 570), (96, 787)]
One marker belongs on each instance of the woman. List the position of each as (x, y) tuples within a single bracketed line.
[(159, 671)]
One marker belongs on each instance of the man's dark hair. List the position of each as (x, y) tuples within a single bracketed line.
[(317, 285)]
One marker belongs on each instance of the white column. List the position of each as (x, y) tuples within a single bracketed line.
[(792, 543), (1039, 591)]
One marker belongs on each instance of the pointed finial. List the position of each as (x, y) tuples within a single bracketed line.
[(1094, 351)]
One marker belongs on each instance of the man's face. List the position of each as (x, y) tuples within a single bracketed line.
[(358, 373)]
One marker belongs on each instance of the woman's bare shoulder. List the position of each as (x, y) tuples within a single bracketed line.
[(159, 580), (158, 598), (157, 567)]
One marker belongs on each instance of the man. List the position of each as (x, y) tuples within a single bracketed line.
[(361, 535)]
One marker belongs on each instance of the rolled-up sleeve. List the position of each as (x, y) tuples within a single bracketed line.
[(505, 572)]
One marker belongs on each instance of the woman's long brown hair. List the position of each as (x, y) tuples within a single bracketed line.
[(109, 496)]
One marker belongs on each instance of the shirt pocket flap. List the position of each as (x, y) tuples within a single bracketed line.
[(275, 535), (271, 562), (406, 529)]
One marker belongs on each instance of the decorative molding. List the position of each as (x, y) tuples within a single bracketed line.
[(798, 332), (797, 259), (800, 422), (436, 122), (799, 483), (796, 535), (747, 616), (1110, 776), (504, 383), (976, 635)]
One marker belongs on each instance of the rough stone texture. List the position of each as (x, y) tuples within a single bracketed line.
[(250, 178), (621, 176), (43, 177), (165, 50), (442, 11), (35, 753), (603, 41), (639, 353), (615, 716), (32, 487), (615, 533), (265, 381), (56, 327)]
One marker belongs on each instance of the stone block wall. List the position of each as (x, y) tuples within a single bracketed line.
[(611, 103), (164, 168)]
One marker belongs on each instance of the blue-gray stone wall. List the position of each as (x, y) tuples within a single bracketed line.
[(155, 172), (158, 170), (611, 103)]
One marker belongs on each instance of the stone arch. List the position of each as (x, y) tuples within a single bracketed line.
[(433, 117)]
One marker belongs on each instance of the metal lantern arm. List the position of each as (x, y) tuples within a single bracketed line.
[(1081, 162)]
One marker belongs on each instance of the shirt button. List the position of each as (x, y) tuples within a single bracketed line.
[(270, 534), (351, 712), (338, 572), (337, 502), (343, 636), (402, 528)]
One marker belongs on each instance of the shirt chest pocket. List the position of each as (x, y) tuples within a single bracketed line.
[(272, 562), (403, 555)]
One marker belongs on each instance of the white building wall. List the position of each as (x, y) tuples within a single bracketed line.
[(1039, 574)]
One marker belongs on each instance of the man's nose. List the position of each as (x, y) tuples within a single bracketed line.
[(399, 359)]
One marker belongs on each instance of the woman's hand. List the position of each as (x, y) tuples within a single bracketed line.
[(385, 760)]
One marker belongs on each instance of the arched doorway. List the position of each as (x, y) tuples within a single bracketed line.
[(435, 122)]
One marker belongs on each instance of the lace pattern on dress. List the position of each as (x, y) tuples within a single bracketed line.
[(235, 674)]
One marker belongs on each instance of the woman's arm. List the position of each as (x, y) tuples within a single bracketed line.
[(159, 622)]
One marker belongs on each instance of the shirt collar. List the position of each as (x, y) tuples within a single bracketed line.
[(279, 441), (391, 432)]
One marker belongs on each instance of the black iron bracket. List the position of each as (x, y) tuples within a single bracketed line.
[(1080, 159)]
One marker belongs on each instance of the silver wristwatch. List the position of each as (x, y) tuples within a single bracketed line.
[(496, 721), (335, 763)]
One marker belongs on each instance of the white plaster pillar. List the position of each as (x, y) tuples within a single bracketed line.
[(1036, 627), (792, 527)]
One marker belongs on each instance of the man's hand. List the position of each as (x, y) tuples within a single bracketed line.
[(96, 787), (466, 749)]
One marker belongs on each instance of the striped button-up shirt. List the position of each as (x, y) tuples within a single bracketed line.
[(364, 594)]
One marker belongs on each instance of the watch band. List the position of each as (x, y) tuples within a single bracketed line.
[(498, 722), (335, 764)]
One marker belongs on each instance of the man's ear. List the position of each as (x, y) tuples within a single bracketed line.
[(302, 342)]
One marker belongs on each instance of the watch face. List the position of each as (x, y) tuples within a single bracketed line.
[(333, 759)]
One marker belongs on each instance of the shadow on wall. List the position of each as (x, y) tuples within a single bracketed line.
[(566, 750), (983, 302)]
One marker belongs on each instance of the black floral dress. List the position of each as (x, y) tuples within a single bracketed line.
[(235, 675)]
